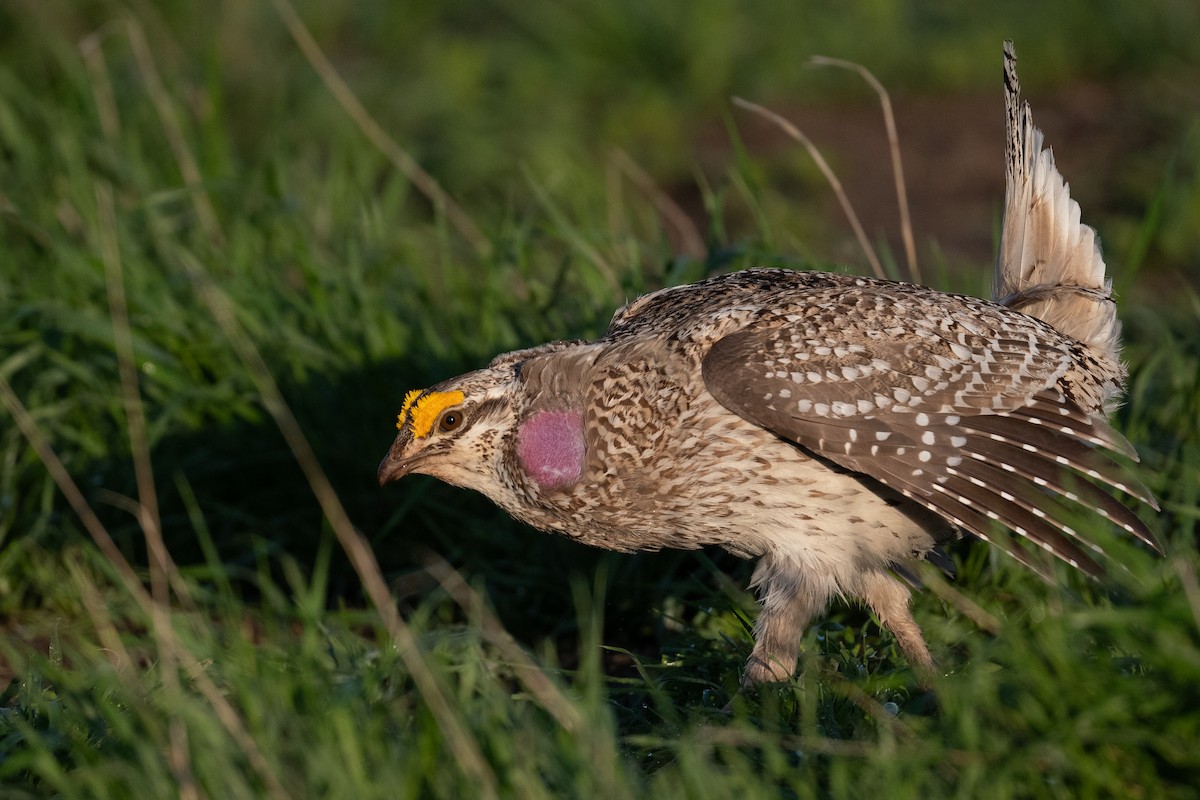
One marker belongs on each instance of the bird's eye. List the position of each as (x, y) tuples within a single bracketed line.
[(449, 421)]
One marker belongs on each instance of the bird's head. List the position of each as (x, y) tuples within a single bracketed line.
[(511, 431), (456, 432)]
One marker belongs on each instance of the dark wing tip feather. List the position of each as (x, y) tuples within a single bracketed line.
[(1059, 461), (1030, 469)]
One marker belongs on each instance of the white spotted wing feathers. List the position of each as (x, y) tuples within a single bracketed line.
[(960, 405)]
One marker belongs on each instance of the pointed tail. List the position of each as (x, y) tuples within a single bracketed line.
[(1049, 265)]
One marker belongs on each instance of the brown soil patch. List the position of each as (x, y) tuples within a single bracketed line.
[(953, 153)]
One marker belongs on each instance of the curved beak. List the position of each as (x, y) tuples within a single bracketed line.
[(392, 469), (396, 464)]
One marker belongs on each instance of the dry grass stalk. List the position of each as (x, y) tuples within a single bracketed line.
[(889, 121), (467, 753), (422, 180), (835, 184), (690, 240)]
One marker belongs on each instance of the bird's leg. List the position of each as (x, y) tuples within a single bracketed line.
[(888, 598), (789, 603)]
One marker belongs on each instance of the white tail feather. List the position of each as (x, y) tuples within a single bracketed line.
[(1049, 265)]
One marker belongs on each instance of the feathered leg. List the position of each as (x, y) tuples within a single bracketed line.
[(889, 598), (789, 600)]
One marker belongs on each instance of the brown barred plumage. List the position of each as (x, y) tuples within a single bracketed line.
[(834, 426)]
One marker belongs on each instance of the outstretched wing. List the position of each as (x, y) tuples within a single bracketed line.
[(962, 413)]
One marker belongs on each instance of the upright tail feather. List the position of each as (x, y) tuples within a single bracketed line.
[(1049, 265)]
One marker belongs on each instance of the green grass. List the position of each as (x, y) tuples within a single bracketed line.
[(554, 670)]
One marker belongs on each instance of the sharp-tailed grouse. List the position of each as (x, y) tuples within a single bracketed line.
[(832, 426)]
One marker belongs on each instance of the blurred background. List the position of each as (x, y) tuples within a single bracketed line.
[(595, 152), (236, 182), (490, 96)]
